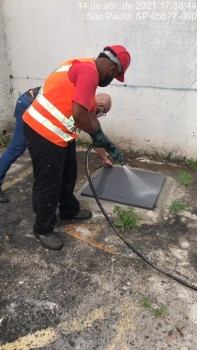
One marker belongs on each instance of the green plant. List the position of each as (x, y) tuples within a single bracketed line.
[(81, 143), (146, 304), (126, 218), (191, 163), (5, 140), (156, 311), (185, 178), (177, 207), (160, 311)]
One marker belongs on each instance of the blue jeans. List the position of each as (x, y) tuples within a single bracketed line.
[(18, 143)]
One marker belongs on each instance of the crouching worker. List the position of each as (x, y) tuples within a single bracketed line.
[(103, 105), (65, 103), (18, 143)]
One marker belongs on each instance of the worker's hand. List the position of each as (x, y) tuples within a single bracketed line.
[(115, 153), (104, 157), (107, 163), (101, 140)]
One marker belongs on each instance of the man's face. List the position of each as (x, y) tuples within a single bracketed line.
[(112, 73), (101, 110)]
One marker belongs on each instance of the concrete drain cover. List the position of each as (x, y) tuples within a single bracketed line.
[(124, 185)]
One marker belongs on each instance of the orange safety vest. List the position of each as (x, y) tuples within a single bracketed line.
[(50, 114)]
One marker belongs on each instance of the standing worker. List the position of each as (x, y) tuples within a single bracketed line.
[(18, 142), (65, 103)]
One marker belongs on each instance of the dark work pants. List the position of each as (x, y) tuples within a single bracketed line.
[(55, 174)]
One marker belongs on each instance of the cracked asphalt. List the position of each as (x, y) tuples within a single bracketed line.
[(96, 293)]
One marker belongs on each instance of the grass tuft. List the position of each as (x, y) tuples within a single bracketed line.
[(159, 311), (177, 207), (81, 143), (5, 140), (191, 163), (126, 218), (185, 178)]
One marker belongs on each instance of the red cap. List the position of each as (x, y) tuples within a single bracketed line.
[(119, 55)]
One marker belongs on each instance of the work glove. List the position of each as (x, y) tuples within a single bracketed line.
[(101, 140)]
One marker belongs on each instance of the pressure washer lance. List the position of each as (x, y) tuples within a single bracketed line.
[(129, 245)]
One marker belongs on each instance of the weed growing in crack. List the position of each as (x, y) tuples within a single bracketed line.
[(191, 163), (185, 178), (81, 143), (126, 218), (5, 140), (177, 207), (157, 311)]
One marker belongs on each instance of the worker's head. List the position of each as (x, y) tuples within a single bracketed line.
[(103, 104), (112, 63)]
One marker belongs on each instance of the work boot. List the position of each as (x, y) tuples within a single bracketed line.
[(3, 197), (50, 241), (83, 214)]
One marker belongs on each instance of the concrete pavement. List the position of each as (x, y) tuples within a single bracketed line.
[(96, 293)]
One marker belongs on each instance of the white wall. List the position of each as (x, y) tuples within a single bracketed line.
[(156, 108), (6, 98)]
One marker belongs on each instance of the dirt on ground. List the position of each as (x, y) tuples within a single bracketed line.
[(96, 293)]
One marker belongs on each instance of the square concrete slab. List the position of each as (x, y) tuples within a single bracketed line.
[(124, 185)]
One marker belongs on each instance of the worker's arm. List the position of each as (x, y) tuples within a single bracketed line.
[(83, 119), (90, 124)]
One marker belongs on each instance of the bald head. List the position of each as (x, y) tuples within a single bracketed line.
[(103, 103)]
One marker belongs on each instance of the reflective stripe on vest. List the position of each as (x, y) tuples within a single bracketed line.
[(68, 123), (64, 68), (45, 122)]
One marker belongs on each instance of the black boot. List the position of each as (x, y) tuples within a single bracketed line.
[(83, 214), (50, 241), (3, 197)]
